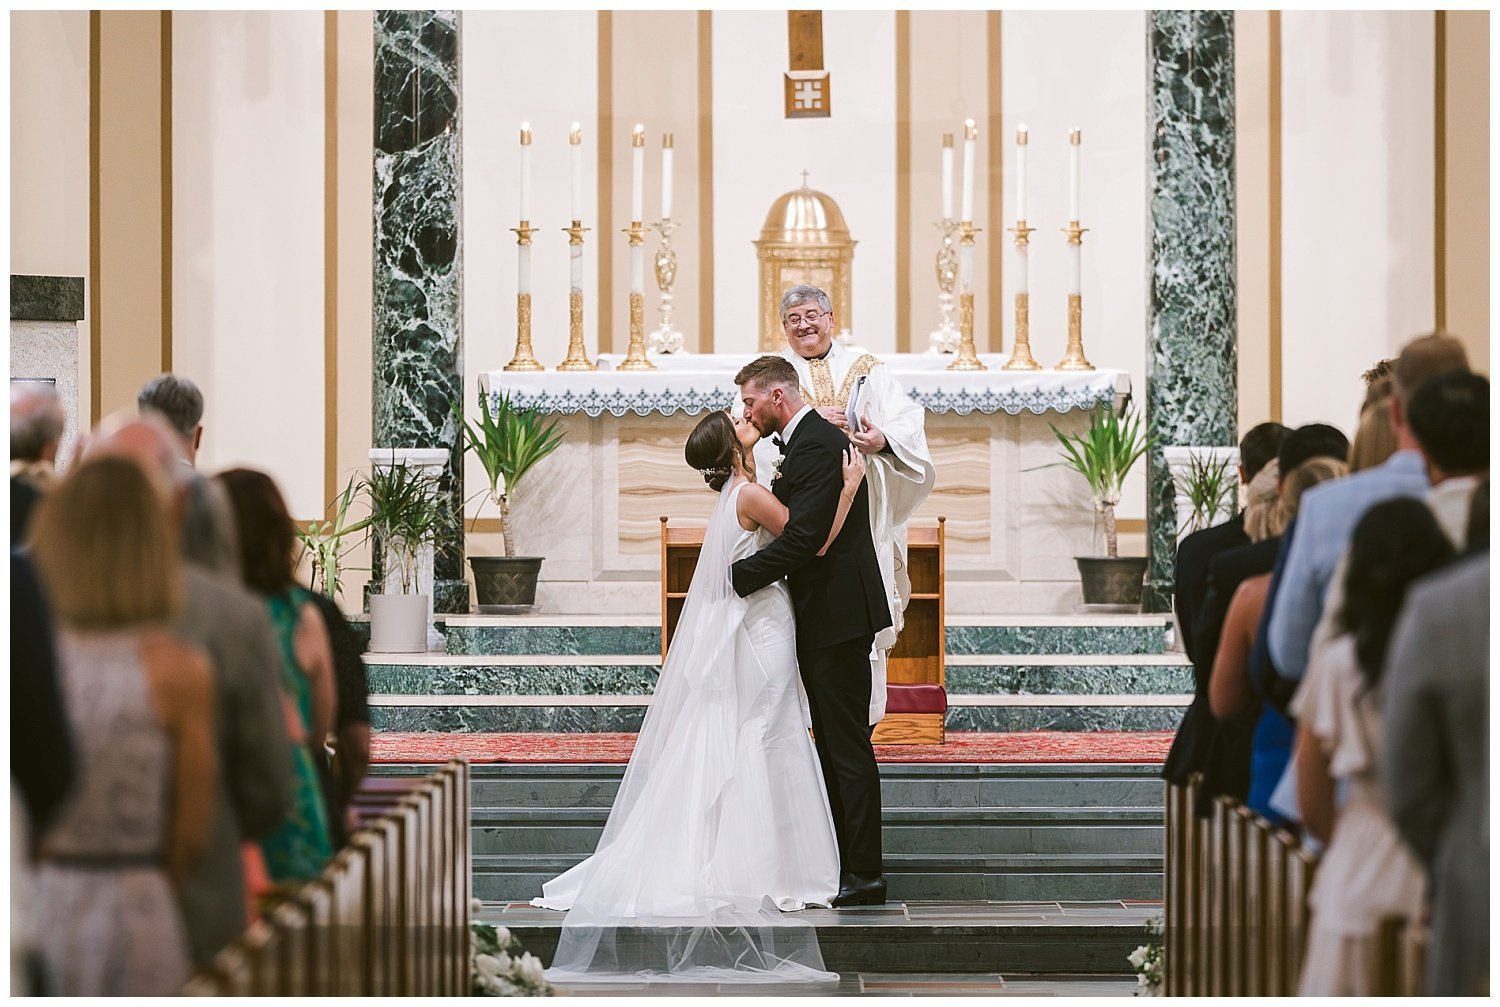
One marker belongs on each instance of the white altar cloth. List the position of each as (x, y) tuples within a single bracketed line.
[(695, 383)]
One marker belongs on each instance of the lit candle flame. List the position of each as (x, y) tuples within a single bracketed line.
[(575, 134)]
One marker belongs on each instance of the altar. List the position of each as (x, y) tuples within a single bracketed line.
[(593, 509)]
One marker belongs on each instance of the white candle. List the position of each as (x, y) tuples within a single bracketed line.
[(525, 170), (1021, 138), (947, 176), (666, 176), (1075, 137), (970, 135), (575, 142), (637, 170), (523, 269)]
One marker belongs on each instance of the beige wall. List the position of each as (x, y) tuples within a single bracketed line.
[(1467, 182), (1255, 229)]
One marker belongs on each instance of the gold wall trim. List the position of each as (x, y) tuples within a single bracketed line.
[(903, 181), (1273, 165), (603, 233), (996, 214), (95, 393), (330, 254), (705, 181), (1131, 526), (1440, 171), (166, 190)]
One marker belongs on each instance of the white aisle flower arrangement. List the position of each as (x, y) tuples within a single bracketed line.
[(1149, 961), (501, 968)]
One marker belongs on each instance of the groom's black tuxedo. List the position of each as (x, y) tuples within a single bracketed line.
[(840, 605)]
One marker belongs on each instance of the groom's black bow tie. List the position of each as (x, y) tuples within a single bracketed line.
[(780, 444)]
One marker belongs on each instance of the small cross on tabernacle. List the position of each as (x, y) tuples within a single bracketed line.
[(804, 178)]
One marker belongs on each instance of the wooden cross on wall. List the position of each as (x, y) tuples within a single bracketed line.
[(806, 85)]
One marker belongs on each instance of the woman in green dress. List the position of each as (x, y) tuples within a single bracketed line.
[(300, 848)]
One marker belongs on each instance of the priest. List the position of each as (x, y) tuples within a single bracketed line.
[(889, 429)]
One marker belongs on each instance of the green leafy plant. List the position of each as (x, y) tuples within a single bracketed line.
[(323, 543), (508, 443), (1104, 456), (406, 512), (1211, 488)]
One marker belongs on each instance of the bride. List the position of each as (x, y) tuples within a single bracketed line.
[(721, 822)]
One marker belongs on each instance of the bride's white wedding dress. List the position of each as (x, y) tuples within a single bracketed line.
[(721, 822)]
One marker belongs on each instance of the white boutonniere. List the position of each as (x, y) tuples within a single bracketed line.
[(776, 467)]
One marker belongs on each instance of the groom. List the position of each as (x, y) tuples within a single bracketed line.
[(839, 603)]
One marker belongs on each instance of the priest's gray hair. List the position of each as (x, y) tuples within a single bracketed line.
[(803, 294)]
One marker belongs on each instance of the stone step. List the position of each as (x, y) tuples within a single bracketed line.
[(593, 714), (1009, 877), (561, 831), (641, 635), (599, 675), (935, 938), (902, 785)]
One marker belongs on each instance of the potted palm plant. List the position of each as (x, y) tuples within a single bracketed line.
[(323, 543), (1104, 456), (406, 512), (508, 442)]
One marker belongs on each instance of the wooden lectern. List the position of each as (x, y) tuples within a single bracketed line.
[(915, 697)]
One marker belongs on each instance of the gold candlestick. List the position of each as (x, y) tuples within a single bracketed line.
[(578, 358), (635, 355), (944, 338), (525, 359), (1074, 360), (967, 359), (664, 338), (1020, 354)]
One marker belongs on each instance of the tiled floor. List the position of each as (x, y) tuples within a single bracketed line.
[(1020, 915)]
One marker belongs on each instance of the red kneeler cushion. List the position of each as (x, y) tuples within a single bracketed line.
[(926, 698)]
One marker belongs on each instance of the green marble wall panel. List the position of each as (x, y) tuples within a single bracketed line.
[(554, 640), (511, 680), (1069, 680), (417, 352), (1191, 376), (459, 719), (1057, 639)]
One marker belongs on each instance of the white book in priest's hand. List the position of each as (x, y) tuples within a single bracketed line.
[(856, 404)]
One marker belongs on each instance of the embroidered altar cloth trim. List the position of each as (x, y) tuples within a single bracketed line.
[(696, 383)]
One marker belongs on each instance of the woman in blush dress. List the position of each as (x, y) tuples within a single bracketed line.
[(1366, 872), (721, 822)]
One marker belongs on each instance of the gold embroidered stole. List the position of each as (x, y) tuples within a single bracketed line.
[(823, 393)]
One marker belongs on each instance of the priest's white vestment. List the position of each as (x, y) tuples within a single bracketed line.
[(899, 478)]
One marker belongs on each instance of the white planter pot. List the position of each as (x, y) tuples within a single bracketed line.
[(398, 623)]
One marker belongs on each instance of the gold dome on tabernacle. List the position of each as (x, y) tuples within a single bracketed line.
[(804, 217)]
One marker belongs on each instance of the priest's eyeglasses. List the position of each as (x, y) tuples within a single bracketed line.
[(813, 317)]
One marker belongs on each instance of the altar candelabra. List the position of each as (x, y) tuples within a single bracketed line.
[(664, 338), (525, 359), (578, 357), (967, 359), (635, 355), (1074, 360), (1020, 354), (944, 338)]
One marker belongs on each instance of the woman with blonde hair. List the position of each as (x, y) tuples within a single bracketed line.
[(1375, 440), (141, 707)]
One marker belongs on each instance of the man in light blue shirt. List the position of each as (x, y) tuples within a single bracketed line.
[(1327, 514)]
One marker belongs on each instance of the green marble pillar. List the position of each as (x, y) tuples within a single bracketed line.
[(1191, 390), (418, 290)]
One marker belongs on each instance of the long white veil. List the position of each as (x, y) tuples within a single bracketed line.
[(650, 904)]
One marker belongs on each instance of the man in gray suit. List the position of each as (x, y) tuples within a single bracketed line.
[(1437, 779), (253, 789)]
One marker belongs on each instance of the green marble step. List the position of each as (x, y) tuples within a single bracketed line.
[(567, 831), (554, 635), (1134, 675), (606, 713), (1057, 635), (493, 675), (902, 785), (1009, 877)]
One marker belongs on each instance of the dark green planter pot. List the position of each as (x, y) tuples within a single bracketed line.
[(1112, 581), (505, 584)]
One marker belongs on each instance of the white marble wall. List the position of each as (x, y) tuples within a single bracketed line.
[(43, 350)]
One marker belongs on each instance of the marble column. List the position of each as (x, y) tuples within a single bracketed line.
[(1191, 372), (418, 290)]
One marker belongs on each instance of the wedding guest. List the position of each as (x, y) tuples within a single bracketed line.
[(1436, 773), (342, 775), (42, 766), (36, 427), (1366, 873), (1375, 440), (300, 848), (252, 792), (1477, 534), (178, 401), (1450, 418), (140, 706)]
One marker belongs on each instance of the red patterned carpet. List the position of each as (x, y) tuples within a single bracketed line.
[(1028, 746)]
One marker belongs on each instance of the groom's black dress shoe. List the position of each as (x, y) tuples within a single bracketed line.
[(860, 890)]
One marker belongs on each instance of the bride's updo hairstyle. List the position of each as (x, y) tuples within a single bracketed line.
[(712, 447)]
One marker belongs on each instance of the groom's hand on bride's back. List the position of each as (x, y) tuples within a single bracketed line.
[(814, 477)]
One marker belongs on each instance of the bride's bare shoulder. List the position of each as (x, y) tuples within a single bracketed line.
[(757, 507)]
